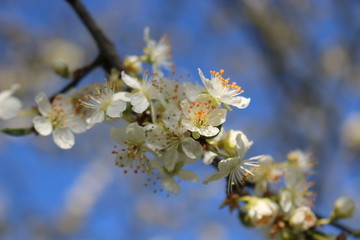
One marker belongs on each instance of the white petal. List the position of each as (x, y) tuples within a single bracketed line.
[(215, 176), (130, 81), (239, 102), (218, 117), (208, 131), (96, 117), (191, 148), (170, 185), (139, 102), (209, 85), (242, 144), (118, 135), (64, 138), (192, 90), (78, 125), (125, 96), (42, 125), (226, 165), (209, 157), (9, 107), (188, 175), (116, 109), (169, 159), (135, 133), (285, 200), (43, 104)]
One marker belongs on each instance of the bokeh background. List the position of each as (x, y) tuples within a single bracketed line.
[(297, 59)]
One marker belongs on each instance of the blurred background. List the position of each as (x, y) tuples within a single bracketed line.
[(298, 60)]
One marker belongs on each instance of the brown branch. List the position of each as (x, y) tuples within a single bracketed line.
[(107, 51)]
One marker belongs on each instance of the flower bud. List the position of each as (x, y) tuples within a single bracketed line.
[(229, 142), (344, 207), (261, 211), (61, 68), (302, 218), (133, 64)]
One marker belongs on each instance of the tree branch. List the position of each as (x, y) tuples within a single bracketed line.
[(107, 51)]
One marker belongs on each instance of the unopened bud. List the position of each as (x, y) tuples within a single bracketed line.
[(344, 207), (133, 64), (261, 211), (61, 68), (302, 218)]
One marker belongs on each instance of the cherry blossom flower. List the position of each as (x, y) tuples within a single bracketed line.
[(202, 117), (59, 119), (261, 211), (302, 218), (105, 103), (236, 168), (222, 91), (143, 92), (168, 177), (131, 151), (157, 53)]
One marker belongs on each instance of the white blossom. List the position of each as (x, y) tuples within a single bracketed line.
[(302, 218), (59, 119), (237, 168), (131, 151), (261, 211), (297, 191), (157, 53), (9, 105), (105, 103), (170, 140), (223, 91), (202, 117), (168, 177), (143, 92)]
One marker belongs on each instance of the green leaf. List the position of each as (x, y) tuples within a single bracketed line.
[(17, 131)]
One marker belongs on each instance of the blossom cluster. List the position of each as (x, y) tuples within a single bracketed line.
[(173, 124)]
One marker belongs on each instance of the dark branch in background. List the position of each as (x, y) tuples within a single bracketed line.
[(108, 56)]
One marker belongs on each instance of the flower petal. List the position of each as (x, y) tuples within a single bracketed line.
[(9, 107), (130, 81), (188, 175), (118, 135), (125, 96), (139, 102), (170, 185), (64, 138), (209, 157), (43, 104), (215, 176), (239, 102), (226, 165), (217, 117), (96, 117), (169, 159), (191, 148), (135, 133), (42, 125), (116, 109)]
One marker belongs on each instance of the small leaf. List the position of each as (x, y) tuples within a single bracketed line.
[(17, 131)]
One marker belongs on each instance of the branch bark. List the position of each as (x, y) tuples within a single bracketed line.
[(107, 51)]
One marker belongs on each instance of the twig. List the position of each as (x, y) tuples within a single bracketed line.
[(77, 76)]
